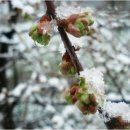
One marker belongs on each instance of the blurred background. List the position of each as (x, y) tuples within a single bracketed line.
[(31, 86)]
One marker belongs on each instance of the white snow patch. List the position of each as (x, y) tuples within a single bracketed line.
[(22, 5), (106, 33), (50, 109), (60, 84), (53, 82), (113, 96), (17, 91), (69, 110), (95, 82), (117, 109), (58, 121), (123, 58), (28, 9), (43, 78), (17, 4), (2, 97)]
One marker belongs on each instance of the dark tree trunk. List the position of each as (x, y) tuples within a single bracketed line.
[(3, 61)]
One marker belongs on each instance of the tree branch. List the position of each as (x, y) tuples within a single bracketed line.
[(66, 41)]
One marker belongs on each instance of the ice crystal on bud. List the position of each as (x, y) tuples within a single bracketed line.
[(94, 83), (120, 109)]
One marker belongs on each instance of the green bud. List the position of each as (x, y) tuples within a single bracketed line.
[(72, 71), (82, 107), (80, 26), (85, 98), (82, 82), (32, 29), (90, 19), (45, 39), (34, 35), (68, 97), (39, 38), (80, 93)]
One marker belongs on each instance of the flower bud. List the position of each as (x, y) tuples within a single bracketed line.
[(73, 90), (77, 24), (73, 30), (74, 99), (32, 29), (67, 68), (85, 98), (82, 107), (41, 32), (92, 109)]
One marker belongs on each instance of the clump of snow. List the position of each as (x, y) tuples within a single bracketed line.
[(58, 121), (2, 97), (17, 91), (117, 109), (49, 109), (95, 82), (53, 82)]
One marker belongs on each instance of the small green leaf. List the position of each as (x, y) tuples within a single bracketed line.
[(45, 39), (80, 25), (82, 82), (72, 71), (85, 98), (32, 29), (34, 35), (68, 98), (39, 38)]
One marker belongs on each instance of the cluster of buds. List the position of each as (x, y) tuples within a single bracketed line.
[(66, 66), (79, 95), (41, 32), (79, 24)]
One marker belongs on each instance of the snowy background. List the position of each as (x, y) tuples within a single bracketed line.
[(31, 86)]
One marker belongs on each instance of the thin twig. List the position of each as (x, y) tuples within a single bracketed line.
[(67, 43)]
